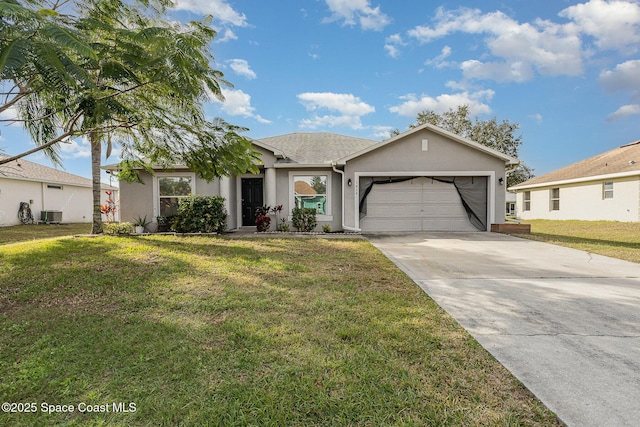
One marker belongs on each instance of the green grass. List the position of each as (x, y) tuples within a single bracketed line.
[(19, 233), (213, 331), (615, 239)]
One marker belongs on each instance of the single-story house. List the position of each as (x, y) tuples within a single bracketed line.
[(423, 179), (46, 190), (602, 187)]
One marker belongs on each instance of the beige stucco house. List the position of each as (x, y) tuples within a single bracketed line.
[(603, 187), (46, 189), (423, 179)]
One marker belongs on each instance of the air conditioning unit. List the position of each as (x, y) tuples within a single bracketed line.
[(51, 216)]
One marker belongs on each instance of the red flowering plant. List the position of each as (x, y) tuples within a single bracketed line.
[(110, 207), (263, 221)]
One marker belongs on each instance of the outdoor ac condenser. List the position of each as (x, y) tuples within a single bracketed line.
[(51, 216)]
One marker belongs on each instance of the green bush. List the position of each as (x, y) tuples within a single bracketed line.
[(304, 219), (200, 214), (117, 228)]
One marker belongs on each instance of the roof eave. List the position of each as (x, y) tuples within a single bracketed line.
[(524, 185), (509, 161)]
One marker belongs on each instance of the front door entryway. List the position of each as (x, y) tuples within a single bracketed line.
[(252, 194)]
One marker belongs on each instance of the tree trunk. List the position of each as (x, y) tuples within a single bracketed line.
[(96, 154)]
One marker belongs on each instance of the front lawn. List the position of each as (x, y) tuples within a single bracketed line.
[(615, 239), (210, 331), (20, 233)]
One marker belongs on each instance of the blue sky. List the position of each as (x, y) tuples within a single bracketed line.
[(567, 72)]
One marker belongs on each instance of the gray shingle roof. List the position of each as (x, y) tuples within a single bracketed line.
[(624, 159), (29, 171), (317, 148)]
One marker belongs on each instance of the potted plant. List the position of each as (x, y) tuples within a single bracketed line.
[(140, 224)]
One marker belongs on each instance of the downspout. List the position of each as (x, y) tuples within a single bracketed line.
[(344, 227)]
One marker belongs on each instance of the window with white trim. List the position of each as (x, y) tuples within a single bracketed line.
[(526, 199), (607, 190), (554, 199), (172, 188)]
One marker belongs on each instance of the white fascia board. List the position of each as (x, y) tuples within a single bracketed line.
[(576, 180), (301, 166)]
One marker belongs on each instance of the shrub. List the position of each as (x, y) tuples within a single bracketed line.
[(326, 228), (117, 228), (200, 214), (263, 221), (283, 226), (164, 223), (304, 219)]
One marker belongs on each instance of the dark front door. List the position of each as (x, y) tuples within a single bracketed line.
[(251, 199)]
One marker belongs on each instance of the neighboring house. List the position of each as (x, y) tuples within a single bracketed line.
[(423, 179), (603, 187), (46, 189)]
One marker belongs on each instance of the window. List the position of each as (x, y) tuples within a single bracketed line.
[(526, 197), (554, 199), (310, 191), (607, 190), (170, 190), (55, 187)]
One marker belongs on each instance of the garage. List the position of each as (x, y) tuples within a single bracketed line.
[(423, 204)]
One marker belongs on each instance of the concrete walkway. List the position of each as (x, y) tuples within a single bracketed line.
[(565, 322)]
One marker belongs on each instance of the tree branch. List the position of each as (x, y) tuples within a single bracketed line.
[(35, 150)]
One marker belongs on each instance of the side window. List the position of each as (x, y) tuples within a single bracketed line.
[(607, 190), (526, 197), (554, 199)]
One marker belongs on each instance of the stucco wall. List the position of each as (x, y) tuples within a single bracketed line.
[(442, 155), (76, 203), (585, 202)]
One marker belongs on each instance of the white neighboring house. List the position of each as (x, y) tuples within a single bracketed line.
[(46, 189), (603, 187)]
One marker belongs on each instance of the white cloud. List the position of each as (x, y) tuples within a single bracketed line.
[(548, 48), (537, 117), (75, 148), (615, 24), (439, 61), (350, 109), (382, 132), (241, 67), (625, 76), (357, 12), (413, 105), (219, 9), (9, 116), (624, 112), (392, 45), (226, 36), (238, 103)]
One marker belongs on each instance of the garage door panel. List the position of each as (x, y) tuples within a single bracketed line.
[(399, 195), (394, 224), (389, 211), (420, 204)]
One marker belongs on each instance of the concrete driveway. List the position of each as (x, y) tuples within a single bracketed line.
[(565, 322)]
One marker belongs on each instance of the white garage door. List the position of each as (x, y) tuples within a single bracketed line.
[(420, 204)]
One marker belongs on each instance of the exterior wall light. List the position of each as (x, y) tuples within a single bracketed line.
[(501, 181), (349, 182)]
